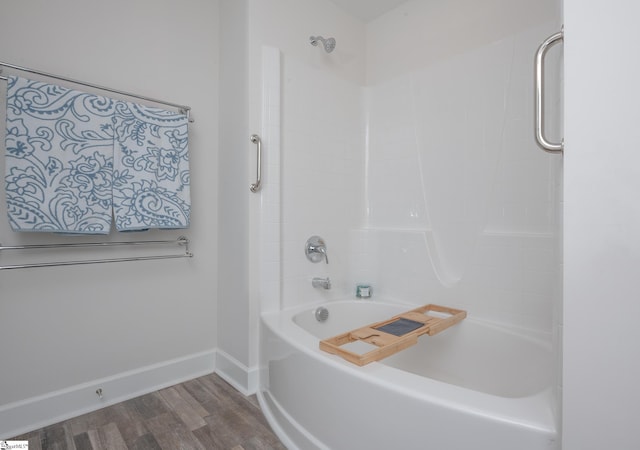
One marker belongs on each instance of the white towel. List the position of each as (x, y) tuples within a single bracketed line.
[(151, 168), (58, 158)]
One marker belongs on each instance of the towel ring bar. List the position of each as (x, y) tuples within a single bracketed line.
[(255, 187), (186, 110), (539, 88)]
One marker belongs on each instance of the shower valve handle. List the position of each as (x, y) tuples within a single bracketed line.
[(316, 250)]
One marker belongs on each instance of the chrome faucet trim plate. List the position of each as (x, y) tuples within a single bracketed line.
[(316, 250)]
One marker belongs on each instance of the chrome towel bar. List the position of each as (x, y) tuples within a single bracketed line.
[(92, 261), (186, 110), (182, 241), (539, 94)]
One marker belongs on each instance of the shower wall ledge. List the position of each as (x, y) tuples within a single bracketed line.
[(524, 234)]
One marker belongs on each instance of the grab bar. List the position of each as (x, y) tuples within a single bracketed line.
[(539, 94), (180, 241), (255, 187)]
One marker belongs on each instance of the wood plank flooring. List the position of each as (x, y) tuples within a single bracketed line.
[(205, 413)]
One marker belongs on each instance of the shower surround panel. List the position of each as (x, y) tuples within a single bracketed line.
[(426, 185)]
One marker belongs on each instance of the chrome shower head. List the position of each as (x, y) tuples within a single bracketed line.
[(328, 44)]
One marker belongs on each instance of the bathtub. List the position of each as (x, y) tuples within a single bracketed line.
[(474, 386)]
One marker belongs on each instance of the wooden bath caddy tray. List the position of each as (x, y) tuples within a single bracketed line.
[(392, 335)]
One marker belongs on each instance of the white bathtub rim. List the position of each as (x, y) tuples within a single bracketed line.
[(533, 412), (540, 337)]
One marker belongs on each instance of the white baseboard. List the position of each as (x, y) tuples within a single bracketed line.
[(236, 374), (37, 412)]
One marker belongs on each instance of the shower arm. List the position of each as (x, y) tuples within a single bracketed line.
[(314, 40)]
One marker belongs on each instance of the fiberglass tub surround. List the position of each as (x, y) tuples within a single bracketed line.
[(449, 199), (425, 182)]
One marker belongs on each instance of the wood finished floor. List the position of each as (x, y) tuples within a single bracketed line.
[(204, 413)]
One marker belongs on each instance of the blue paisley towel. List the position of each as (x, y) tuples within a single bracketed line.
[(151, 168), (58, 158)]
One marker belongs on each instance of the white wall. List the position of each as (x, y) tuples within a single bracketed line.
[(601, 221), (61, 327), (233, 289)]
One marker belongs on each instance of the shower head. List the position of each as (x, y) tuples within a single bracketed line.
[(328, 44)]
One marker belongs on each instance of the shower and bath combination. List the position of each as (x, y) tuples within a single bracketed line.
[(329, 44), (398, 251)]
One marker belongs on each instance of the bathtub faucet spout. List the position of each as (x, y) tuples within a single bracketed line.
[(324, 283)]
